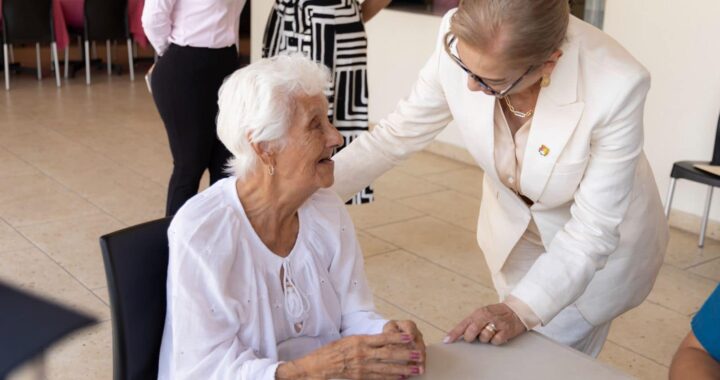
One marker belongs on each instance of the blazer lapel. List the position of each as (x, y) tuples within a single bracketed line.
[(557, 114)]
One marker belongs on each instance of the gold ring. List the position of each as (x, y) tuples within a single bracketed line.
[(491, 327)]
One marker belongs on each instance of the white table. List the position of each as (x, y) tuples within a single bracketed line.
[(530, 356)]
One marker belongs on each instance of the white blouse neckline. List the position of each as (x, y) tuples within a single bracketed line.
[(237, 203)]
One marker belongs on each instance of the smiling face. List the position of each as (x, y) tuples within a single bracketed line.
[(305, 162)]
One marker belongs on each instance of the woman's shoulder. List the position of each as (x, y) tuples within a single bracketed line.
[(328, 210), (599, 52), (207, 213)]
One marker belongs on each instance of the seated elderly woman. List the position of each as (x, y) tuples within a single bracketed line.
[(266, 278)]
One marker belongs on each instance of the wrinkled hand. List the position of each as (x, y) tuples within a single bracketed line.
[(409, 328), (475, 326), (373, 357)]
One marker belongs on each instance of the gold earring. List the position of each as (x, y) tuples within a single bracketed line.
[(545, 81), (271, 170)]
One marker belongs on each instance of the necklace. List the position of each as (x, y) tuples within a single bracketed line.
[(515, 112)]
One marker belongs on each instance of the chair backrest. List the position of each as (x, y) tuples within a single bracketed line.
[(136, 261), (106, 20), (716, 149), (27, 21)]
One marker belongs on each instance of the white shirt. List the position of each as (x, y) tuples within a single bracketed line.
[(228, 316), (196, 23)]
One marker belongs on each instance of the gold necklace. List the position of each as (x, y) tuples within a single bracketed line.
[(515, 112)]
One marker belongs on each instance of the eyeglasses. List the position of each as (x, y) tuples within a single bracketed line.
[(450, 39)]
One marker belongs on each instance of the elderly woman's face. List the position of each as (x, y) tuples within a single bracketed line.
[(311, 139)]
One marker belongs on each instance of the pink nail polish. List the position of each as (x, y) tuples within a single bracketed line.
[(414, 355), (407, 338), (415, 370)]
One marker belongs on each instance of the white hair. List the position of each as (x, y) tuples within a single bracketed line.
[(256, 104)]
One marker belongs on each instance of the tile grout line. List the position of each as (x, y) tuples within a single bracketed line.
[(401, 249), (637, 353), (52, 178), (82, 284), (409, 312)]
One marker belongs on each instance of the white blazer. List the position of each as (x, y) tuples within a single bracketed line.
[(596, 202)]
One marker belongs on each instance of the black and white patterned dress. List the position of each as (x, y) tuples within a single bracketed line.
[(330, 32)]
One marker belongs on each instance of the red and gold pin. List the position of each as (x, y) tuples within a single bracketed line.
[(544, 150)]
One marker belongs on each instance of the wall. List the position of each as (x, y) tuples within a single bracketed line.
[(677, 43)]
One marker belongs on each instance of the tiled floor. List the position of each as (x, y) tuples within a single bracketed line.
[(79, 161)]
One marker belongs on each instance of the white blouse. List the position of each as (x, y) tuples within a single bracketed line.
[(228, 315), (197, 23)]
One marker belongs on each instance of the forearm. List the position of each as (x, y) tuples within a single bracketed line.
[(694, 364), (372, 7)]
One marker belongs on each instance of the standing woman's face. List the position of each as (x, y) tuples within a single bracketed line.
[(497, 74)]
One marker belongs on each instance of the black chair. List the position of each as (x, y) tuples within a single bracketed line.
[(136, 260), (106, 20), (29, 21), (686, 170)]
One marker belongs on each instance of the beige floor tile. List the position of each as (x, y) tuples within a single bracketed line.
[(11, 240), (709, 270), (450, 206), (683, 251), (442, 243), (423, 163), (27, 187), (46, 208), (76, 248), (381, 211), (431, 334), (440, 296), (85, 355), (396, 185), (372, 246), (681, 290), (632, 363), (467, 181), (12, 166), (102, 293), (32, 270), (652, 330), (50, 152)]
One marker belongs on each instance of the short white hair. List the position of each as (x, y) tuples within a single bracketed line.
[(256, 104)]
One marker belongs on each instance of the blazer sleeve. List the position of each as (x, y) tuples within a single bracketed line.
[(409, 128), (586, 241)]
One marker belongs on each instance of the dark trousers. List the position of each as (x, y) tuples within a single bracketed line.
[(185, 84)]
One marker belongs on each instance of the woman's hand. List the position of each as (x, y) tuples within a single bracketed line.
[(409, 328), (494, 324), (383, 356)]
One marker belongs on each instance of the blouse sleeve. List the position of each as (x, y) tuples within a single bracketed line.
[(204, 319), (157, 23), (347, 274)]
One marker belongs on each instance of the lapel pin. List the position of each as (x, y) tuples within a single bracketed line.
[(544, 150)]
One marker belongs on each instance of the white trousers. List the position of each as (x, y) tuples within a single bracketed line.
[(569, 327)]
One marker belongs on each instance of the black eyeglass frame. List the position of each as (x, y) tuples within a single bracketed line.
[(450, 38)]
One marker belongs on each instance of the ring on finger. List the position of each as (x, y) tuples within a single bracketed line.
[(491, 327)]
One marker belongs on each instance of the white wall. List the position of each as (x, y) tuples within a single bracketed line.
[(675, 40), (678, 42)]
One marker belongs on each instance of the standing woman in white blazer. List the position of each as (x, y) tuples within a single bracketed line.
[(551, 108)]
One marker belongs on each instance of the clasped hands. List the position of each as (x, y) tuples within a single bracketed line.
[(397, 353)]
